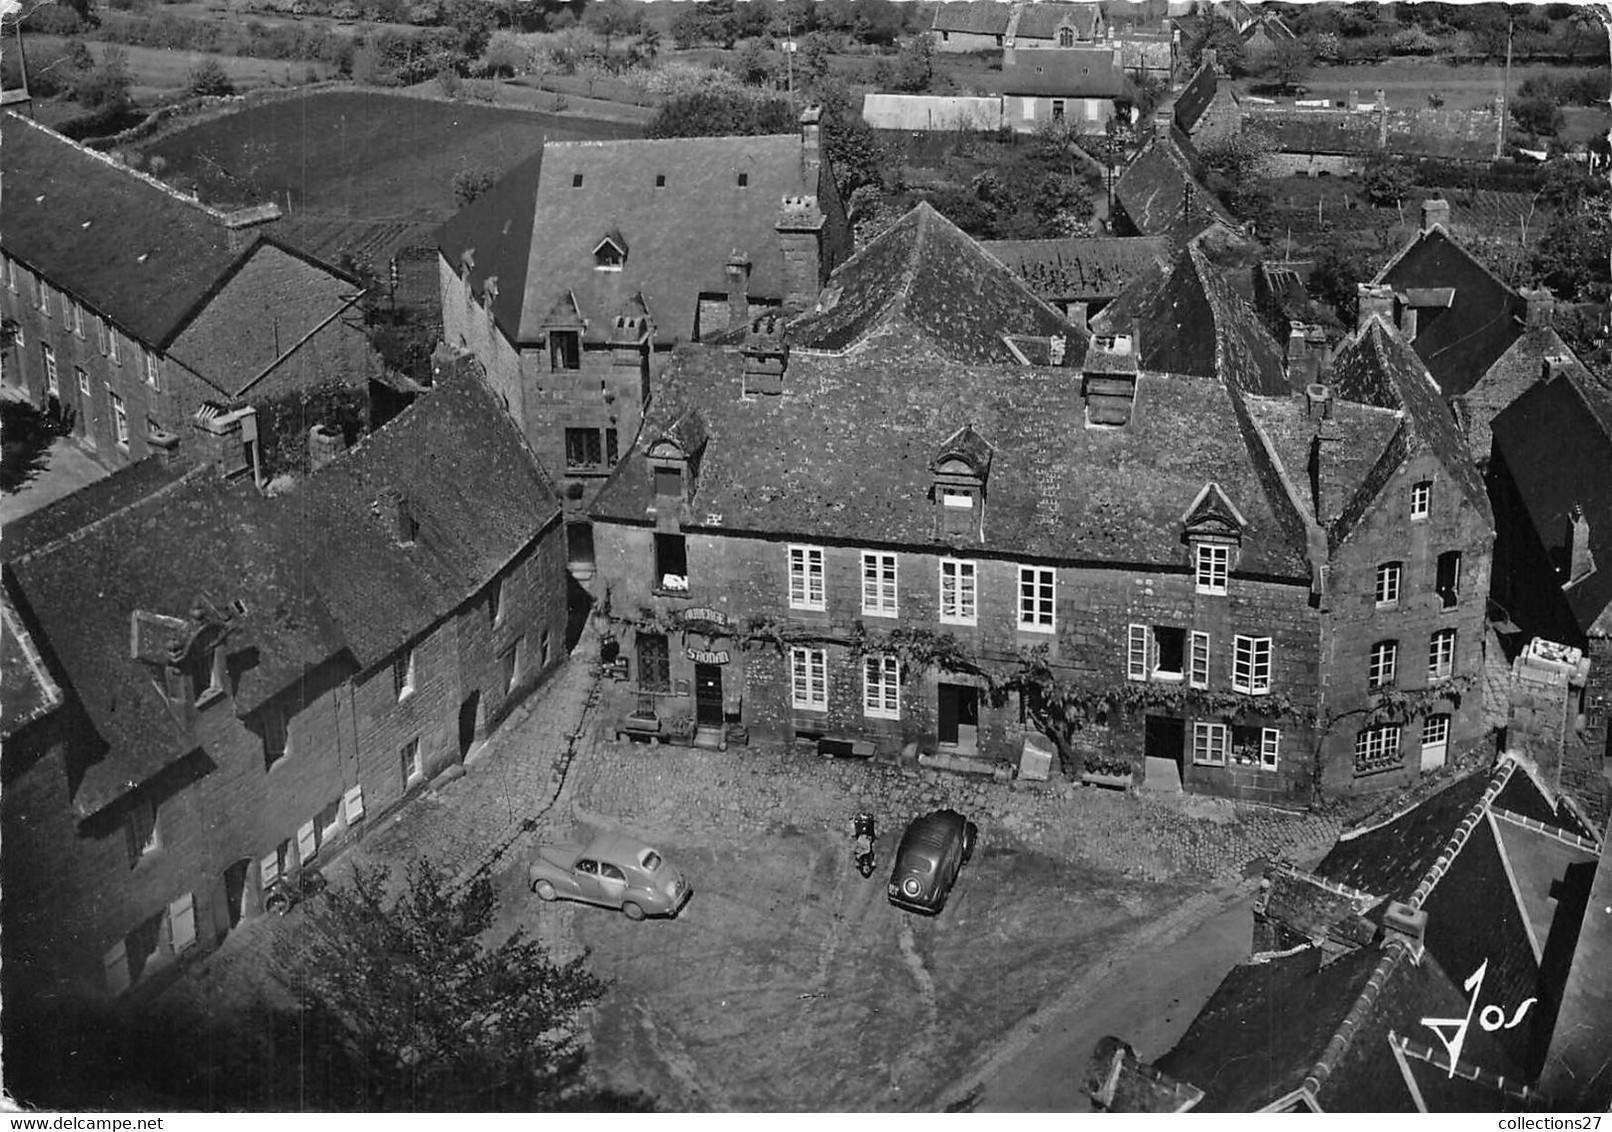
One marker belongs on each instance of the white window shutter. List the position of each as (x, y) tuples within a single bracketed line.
[(269, 870), (1198, 662), (354, 803), (306, 845), (1137, 653), (1270, 744), (117, 968), (182, 920)]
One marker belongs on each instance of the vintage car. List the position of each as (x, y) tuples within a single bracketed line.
[(613, 870), (933, 851)]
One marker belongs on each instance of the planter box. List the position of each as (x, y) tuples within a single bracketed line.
[(960, 764)]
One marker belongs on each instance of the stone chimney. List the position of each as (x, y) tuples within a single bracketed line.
[(228, 439), (766, 356), (1546, 679), (1163, 120), (1435, 212), (396, 516), (1381, 99), (243, 226), (324, 445), (738, 273), (1328, 489), (1580, 559), (1374, 299), (1552, 367), (1407, 319), (1541, 308), (1305, 353), (800, 236), (811, 144), (1318, 401)]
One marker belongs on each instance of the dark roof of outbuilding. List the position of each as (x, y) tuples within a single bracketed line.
[(805, 464), (1458, 343), (1081, 267), (1193, 323), (491, 237), (1068, 72), (1161, 194), (973, 17), (1042, 20), (129, 246), (1195, 97), (924, 274), (1556, 440)]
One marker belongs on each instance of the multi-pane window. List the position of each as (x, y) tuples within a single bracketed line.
[(120, 419), (100, 333), (509, 665), (1441, 655), (583, 448), (1198, 672), (51, 380), (403, 675), (1377, 748), (654, 663), (1157, 652), (112, 348), (76, 315), (1421, 499), (1212, 565), (1388, 576), (151, 370), (83, 381), (1435, 738), (959, 592), (1136, 653), (878, 584), (140, 831), (881, 687), (1384, 666), (44, 298), (1210, 742), (1037, 590), (1448, 582), (806, 577), (808, 678), (409, 761), (1270, 745), (1251, 664)]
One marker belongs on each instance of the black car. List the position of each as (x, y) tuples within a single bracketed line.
[(933, 851)]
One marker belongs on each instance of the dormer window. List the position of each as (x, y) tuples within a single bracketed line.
[(960, 470), (668, 484), (610, 253), (565, 349), (744, 180), (1213, 534), (674, 462)]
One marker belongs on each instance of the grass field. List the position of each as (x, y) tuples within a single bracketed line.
[(360, 154), (160, 72)]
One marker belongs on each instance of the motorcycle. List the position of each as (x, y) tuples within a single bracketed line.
[(863, 834), (290, 890)]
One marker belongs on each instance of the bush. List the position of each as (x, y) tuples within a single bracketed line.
[(1538, 115), (53, 19), (721, 113), (208, 78), (283, 423), (468, 184)]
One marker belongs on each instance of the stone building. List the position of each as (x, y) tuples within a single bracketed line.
[(1152, 517), (1080, 275), (249, 698), (1206, 110), (573, 276), (1079, 86), (970, 25), (128, 307)]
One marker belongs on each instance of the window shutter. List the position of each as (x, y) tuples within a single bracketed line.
[(182, 921), (306, 845), (1270, 743), (269, 870), (354, 801), (1199, 676), (117, 968), (1136, 659)]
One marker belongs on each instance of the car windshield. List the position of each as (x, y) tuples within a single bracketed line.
[(650, 860)]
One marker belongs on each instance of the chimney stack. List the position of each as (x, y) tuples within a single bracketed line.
[(1374, 299), (738, 290), (811, 143), (1382, 99), (1552, 367), (766, 356), (324, 445), (229, 439), (1541, 310), (1318, 402), (240, 226), (1304, 360), (1211, 59), (1435, 212), (1354, 100)]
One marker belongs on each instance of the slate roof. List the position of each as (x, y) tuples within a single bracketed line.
[(804, 464), (1070, 72), (30, 693), (131, 248), (1575, 1071), (1556, 440), (1193, 323), (1459, 343), (1082, 267), (1515, 371), (1161, 195), (1368, 436), (496, 230), (1461, 135), (926, 276), (973, 17), (474, 488), (680, 235), (94, 501), (1042, 20), (1195, 98)]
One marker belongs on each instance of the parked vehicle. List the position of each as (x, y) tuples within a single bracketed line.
[(863, 836), (933, 851), (612, 870), (291, 889)]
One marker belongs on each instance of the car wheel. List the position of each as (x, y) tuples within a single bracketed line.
[(971, 833), (544, 890), (632, 911)]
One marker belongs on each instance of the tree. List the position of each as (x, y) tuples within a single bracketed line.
[(1220, 34), (1386, 180), (753, 65), (1237, 171), (106, 87), (1573, 256), (1335, 280), (437, 1017), (612, 19), (915, 66), (719, 113), (1289, 63), (209, 78), (1537, 115), (468, 184)]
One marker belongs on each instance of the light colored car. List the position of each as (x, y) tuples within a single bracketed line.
[(613, 870)]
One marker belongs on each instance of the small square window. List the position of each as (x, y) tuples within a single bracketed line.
[(660, 180)]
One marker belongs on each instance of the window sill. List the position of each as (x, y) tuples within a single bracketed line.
[(1159, 677), (1387, 605), (896, 715), (1210, 591), (969, 621), (1048, 629), (1251, 691), (809, 707), (1203, 762), (885, 613)]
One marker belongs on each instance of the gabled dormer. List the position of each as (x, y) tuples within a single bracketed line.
[(610, 253), (674, 461), (563, 327), (960, 470), (1212, 529), (184, 654), (631, 334)]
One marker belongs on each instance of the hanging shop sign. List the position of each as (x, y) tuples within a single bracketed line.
[(701, 615), (708, 656)]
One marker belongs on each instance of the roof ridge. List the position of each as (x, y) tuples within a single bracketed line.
[(113, 163), (601, 143), (1517, 1090), (78, 534), (1344, 1036), (1457, 840)]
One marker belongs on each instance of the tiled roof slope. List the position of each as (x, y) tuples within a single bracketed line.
[(806, 464), (1367, 434), (1461, 342), (1070, 72), (1195, 97), (924, 274), (1080, 267), (1556, 439), (1576, 1069), (472, 486), (1193, 323), (1042, 20), (30, 693), (973, 17), (1161, 194), (130, 247), (495, 230), (93, 501), (1516, 370), (679, 236)]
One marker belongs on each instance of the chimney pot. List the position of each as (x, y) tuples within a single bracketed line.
[(1435, 212), (324, 445), (1541, 309)]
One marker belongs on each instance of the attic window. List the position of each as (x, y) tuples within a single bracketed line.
[(576, 180), (660, 180), (744, 180), (607, 257), (1110, 400)]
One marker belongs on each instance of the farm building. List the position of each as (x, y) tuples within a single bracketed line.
[(241, 700), (1219, 571), (1051, 24), (1206, 109), (970, 25), (931, 113), (1315, 141), (573, 276), (131, 309), (1079, 86)]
